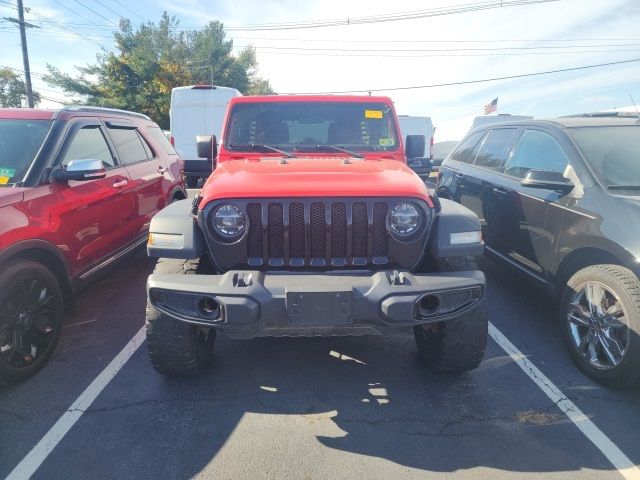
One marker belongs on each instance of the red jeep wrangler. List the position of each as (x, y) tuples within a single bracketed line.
[(78, 188), (313, 224)]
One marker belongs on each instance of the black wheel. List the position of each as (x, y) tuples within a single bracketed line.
[(600, 314), (177, 348), (31, 306), (456, 345), (192, 182)]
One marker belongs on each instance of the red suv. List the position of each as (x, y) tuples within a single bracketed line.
[(78, 188)]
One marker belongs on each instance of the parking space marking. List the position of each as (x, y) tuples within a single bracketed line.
[(618, 459), (32, 461)]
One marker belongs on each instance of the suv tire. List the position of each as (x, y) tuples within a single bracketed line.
[(456, 345), (31, 307), (177, 348), (609, 330)]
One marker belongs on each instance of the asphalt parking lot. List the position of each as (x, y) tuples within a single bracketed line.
[(311, 408)]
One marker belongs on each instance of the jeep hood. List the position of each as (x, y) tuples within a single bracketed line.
[(313, 177), (10, 195)]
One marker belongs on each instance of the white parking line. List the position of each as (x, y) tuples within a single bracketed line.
[(29, 464), (618, 459)]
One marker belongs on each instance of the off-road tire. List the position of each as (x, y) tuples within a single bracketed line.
[(177, 349), (626, 286), (455, 345), (14, 271)]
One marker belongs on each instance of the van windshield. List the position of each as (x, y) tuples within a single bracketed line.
[(20, 141), (309, 126), (612, 152)]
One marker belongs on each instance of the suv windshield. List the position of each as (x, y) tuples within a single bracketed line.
[(612, 152), (20, 141), (307, 125)]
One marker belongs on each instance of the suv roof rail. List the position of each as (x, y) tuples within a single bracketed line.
[(86, 108), (612, 114)]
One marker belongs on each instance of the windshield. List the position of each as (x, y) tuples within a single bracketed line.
[(612, 153), (311, 125), (20, 141)]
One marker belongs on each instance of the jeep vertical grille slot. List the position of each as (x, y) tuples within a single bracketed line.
[(276, 232), (323, 233), (254, 212)]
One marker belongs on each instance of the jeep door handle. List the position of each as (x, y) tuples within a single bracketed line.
[(119, 184), (161, 169), (500, 191)]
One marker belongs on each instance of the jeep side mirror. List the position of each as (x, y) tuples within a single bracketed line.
[(414, 146), (80, 170), (547, 180), (207, 146)]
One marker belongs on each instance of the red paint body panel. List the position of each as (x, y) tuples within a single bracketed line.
[(257, 174), (87, 222)]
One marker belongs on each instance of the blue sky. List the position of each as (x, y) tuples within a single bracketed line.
[(449, 48)]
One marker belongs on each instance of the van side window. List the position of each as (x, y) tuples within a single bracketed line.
[(463, 152), (493, 151), (536, 150)]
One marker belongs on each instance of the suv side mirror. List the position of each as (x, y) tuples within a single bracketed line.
[(547, 180), (81, 169), (414, 146), (207, 146)]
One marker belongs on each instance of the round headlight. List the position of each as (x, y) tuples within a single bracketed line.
[(404, 219), (229, 221)]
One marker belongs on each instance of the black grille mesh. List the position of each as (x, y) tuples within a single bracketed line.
[(379, 229), (254, 211), (276, 231), (317, 231), (296, 230), (338, 230), (359, 225)]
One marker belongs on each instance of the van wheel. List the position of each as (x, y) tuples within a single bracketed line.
[(177, 349), (31, 306), (600, 315), (192, 182)]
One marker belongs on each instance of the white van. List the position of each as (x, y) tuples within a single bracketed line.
[(418, 126), (197, 110)]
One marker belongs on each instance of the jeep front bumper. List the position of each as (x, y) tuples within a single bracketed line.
[(247, 304)]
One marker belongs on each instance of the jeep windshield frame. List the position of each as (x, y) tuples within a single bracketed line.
[(295, 125), (20, 142)]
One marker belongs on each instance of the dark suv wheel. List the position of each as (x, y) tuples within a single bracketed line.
[(600, 314), (31, 306)]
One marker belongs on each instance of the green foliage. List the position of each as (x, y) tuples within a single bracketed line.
[(13, 92), (152, 59)]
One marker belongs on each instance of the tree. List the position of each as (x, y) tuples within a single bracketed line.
[(151, 60), (13, 92)]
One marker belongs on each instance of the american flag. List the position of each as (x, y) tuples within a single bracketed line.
[(491, 107)]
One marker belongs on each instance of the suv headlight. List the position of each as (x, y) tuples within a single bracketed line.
[(229, 222), (404, 219)]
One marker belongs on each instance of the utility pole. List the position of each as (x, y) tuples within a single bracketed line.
[(22, 25)]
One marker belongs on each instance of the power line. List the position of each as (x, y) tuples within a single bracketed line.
[(94, 12), (72, 11), (390, 17), (484, 80), (128, 9), (106, 7), (62, 27)]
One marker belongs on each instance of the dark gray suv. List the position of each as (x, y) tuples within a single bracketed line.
[(560, 200)]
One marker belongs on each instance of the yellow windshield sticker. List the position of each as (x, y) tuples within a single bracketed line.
[(4, 180), (373, 114), (386, 142)]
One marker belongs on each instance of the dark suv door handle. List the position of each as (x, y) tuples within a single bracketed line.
[(500, 191), (161, 169), (459, 175)]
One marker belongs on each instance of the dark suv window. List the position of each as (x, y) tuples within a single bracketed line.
[(536, 150), (88, 143), (130, 145), (463, 152), (493, 152)]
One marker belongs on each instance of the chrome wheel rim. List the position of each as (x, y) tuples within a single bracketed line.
[(28, 315), (597, 325)]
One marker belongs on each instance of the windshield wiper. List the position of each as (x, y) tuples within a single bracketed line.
[(623, 187), (333, 148), (260, 146)]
